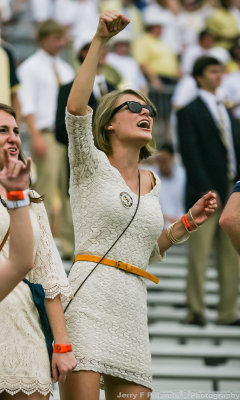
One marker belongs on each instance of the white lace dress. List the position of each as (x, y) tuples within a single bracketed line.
[(107, 319), (24, 362)]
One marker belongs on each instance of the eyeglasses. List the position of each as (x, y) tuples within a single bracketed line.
[(135, 107)]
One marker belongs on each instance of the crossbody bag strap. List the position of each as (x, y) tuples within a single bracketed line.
[(135, 212), (7, 234), (4, 239)]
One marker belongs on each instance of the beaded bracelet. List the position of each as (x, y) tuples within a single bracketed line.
[(172, 238)]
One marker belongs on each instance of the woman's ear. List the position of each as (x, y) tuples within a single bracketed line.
[(108, 127)]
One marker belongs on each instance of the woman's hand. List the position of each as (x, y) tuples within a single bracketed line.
[(15, 175), (204, 208), (111, 22), (61, 365)]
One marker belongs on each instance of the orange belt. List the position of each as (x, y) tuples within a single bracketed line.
[(117, 264)]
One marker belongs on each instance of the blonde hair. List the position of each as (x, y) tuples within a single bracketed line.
[(103, 116)]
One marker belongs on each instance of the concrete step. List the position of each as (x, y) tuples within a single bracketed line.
[(179, 271), (214, 374), (178, 331), (159, 350), (178, 285), (177, 299), (168, 313), (180, 395)]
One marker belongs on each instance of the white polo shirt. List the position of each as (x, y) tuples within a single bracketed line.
[(39, 86)]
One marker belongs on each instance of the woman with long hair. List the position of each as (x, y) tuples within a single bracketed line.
[(25, 371)]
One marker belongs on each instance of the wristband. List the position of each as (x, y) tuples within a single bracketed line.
[(16, 195), (18, 203), (18, 198), (186, 223), (62, 348)]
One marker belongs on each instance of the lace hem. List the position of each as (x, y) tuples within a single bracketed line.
[(62, 288), (13, 385), (103, 368)]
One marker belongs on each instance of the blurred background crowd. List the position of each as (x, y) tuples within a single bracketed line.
[(44, 41)]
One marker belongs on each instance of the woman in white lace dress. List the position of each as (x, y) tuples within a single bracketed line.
[(107, 319), (24, 363)]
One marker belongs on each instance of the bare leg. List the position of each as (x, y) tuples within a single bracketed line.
[(117, 389), (23, 396), (80, 385)]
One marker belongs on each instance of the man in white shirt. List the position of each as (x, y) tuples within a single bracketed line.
[(231, 84), (210, 148), (120, 59), (204, 47), (173, 180), (40, 76)]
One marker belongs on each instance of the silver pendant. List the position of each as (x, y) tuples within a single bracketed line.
[(126, 199)]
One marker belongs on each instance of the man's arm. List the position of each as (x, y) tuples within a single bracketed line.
[(61, 130), (230, 219), (187, 127)]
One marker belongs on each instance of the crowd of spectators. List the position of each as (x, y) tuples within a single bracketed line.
[(155, 54)]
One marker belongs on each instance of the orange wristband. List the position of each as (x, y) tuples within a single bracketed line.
[(15, 195), (186, 223), (62, 348)]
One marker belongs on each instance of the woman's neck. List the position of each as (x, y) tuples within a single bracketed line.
[(125, 161)]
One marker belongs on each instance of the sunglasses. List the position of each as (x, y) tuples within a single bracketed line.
[(135, 107)]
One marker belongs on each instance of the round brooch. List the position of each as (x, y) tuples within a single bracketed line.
[(126, 199)]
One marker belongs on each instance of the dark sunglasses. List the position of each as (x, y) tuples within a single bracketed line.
[(135, 107)]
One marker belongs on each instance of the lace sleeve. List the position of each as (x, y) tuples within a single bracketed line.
[(48, 268), (156, 256), (83, 155)]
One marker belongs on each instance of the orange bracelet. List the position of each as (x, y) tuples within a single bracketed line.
[(186, 223), (15, 195), (62, 348)]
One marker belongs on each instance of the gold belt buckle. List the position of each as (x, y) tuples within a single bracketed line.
[(118, 264), (126, 267)]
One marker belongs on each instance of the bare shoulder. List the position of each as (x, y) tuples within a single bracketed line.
[(148, 180)]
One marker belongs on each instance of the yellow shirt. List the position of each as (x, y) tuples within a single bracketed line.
[(224, 23), (150, 51), (232, 66)]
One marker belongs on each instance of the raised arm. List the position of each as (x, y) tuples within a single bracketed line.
[(110, 24), (230, 219), (15, 177)]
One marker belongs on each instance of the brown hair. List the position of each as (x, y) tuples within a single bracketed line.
[(49, 26), (9, 110), (103, 115)]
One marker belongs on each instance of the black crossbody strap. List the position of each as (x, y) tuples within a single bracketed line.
[(135, 212)]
